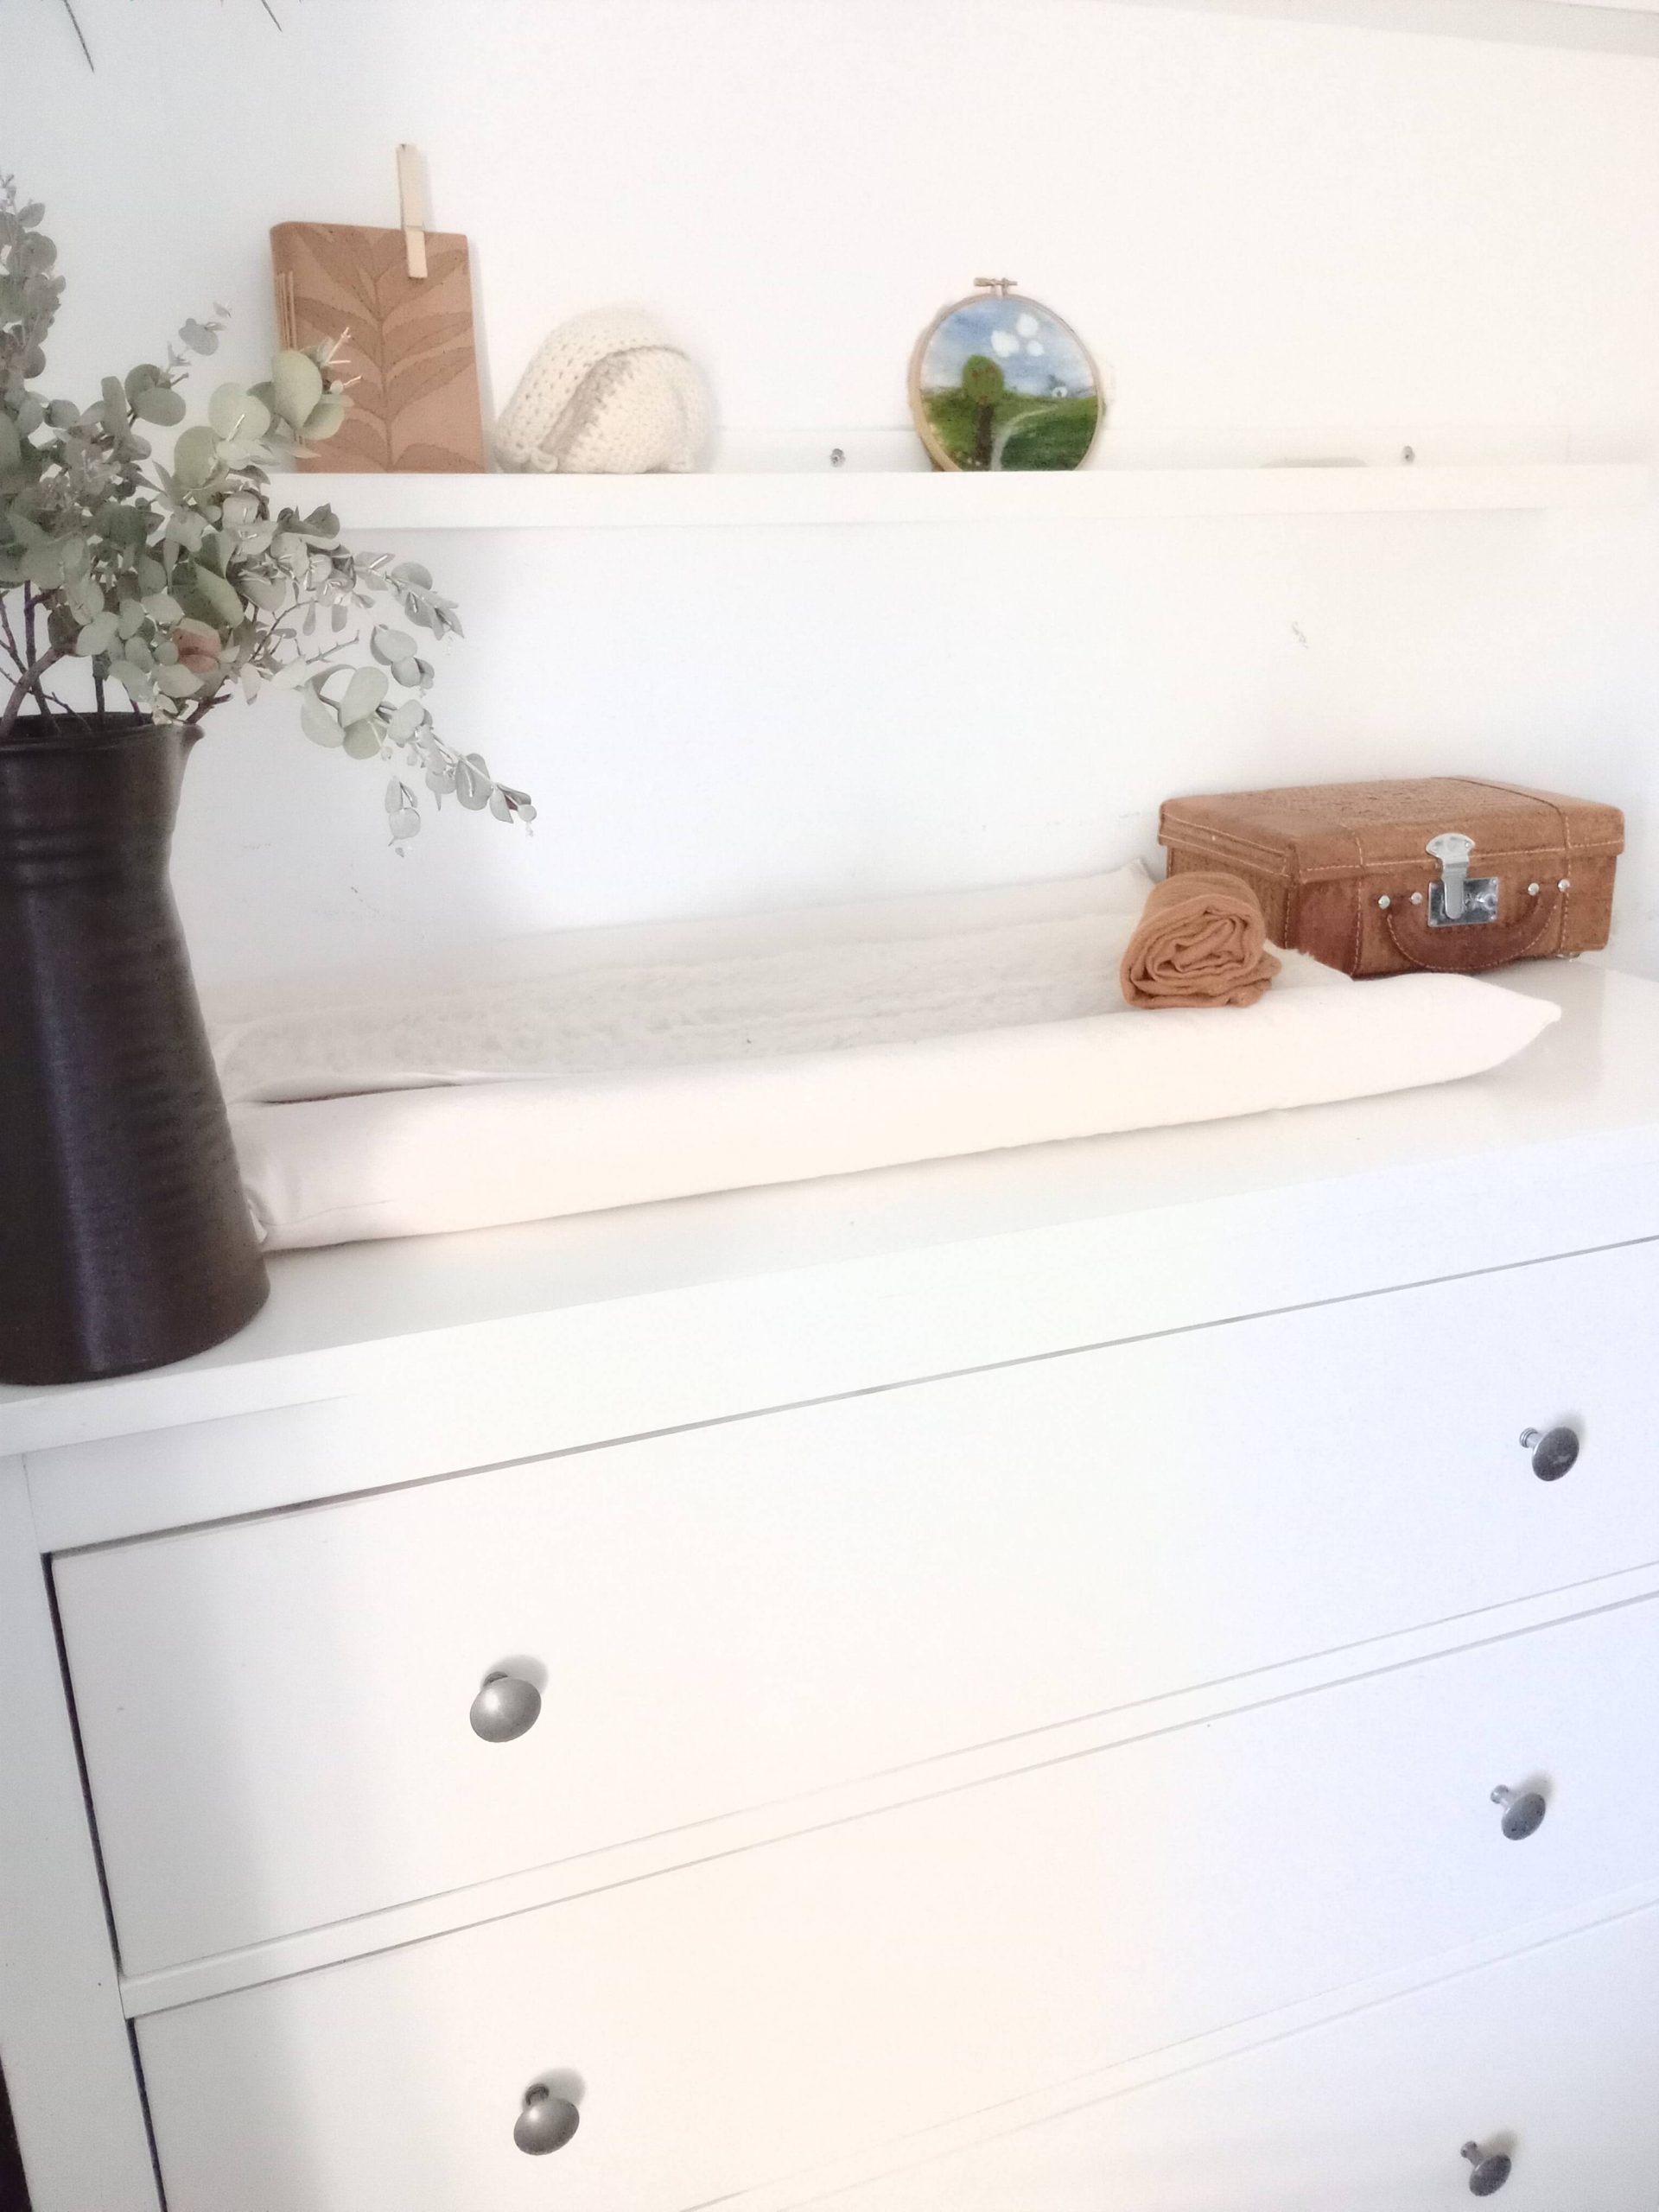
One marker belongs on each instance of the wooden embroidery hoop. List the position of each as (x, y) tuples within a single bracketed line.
[(1002, 288)]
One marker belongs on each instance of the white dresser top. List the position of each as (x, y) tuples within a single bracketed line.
[(922, 1269)]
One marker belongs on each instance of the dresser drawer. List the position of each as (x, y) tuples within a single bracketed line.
[(749, 2017), (275, 1712), (1550, 2059)]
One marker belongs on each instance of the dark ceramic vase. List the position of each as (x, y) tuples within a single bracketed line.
[(124, 1241)]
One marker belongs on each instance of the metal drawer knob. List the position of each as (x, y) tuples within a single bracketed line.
[(506, 1706), (1522, 1816), (1492, 2169), (547, 2122), (1553, 1452)]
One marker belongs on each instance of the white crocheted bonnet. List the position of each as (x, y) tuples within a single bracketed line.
[(607, 394)]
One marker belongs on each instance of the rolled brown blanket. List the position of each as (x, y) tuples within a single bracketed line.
[(1200, 940)]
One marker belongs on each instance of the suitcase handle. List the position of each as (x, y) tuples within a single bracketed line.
[(1467, 951)]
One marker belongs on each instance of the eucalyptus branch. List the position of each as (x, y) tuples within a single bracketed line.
[(29, 682), (176, 584), (203, 707)]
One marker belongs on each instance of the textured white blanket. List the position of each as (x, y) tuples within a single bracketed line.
[(603, 1068)]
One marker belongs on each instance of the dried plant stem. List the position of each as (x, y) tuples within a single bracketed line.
[(29, 681), (13, 649), (69, 10), (204, 707)]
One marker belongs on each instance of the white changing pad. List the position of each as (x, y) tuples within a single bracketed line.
[(603, 1068)]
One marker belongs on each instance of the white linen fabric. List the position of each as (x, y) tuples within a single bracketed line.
[(604, 1068)]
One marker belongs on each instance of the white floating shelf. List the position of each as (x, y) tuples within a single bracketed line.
[(366, 503), (1608, 26)]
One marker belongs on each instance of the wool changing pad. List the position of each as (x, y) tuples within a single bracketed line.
[(603, 1068)]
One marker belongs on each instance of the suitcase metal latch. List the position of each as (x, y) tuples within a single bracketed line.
[(1459, 900)]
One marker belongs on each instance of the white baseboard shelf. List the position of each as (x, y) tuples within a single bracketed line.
[(780, 499)]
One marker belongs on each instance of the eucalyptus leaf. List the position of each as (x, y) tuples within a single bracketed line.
[(472, 784), (363, 739), (177, 682), (323, 421), (195, 457), (264, 592), (198, 337), (362, 695), (319, 721), (161, 405), (97, 636), (235, 413), (296, 386), (390, 646), (220, 597)]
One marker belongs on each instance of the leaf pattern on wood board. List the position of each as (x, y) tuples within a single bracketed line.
[(365, 434), (430, 375), (412, 337), (407, 344), (329, 250), (398, 288), (434, 460), (319, 319), (383, 253)]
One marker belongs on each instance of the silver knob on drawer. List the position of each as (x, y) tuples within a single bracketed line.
[(1553, 1450), (547, 2122), (1523, 1815), (506, 1706), (1492, 2169)]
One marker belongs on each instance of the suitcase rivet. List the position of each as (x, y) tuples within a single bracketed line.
[(1532, 890), (1416, 898), (1385, 902), (1566, 883)]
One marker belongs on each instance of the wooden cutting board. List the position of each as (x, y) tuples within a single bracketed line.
[(408, 342)]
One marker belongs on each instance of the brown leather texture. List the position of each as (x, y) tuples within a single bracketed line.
[(1342, 870)]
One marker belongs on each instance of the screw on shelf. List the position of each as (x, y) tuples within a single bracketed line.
[(1523, 1815), (1491, 2172)]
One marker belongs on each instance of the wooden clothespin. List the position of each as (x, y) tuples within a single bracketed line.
[(411, 211)]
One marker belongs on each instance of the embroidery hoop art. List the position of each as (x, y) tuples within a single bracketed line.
[(985, 288)]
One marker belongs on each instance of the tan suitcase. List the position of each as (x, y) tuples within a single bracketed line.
[(1451, 873)]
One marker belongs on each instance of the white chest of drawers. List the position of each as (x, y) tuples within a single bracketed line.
[(1007, 1666)]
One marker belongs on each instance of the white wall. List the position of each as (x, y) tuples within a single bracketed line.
[(1277, 233)]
